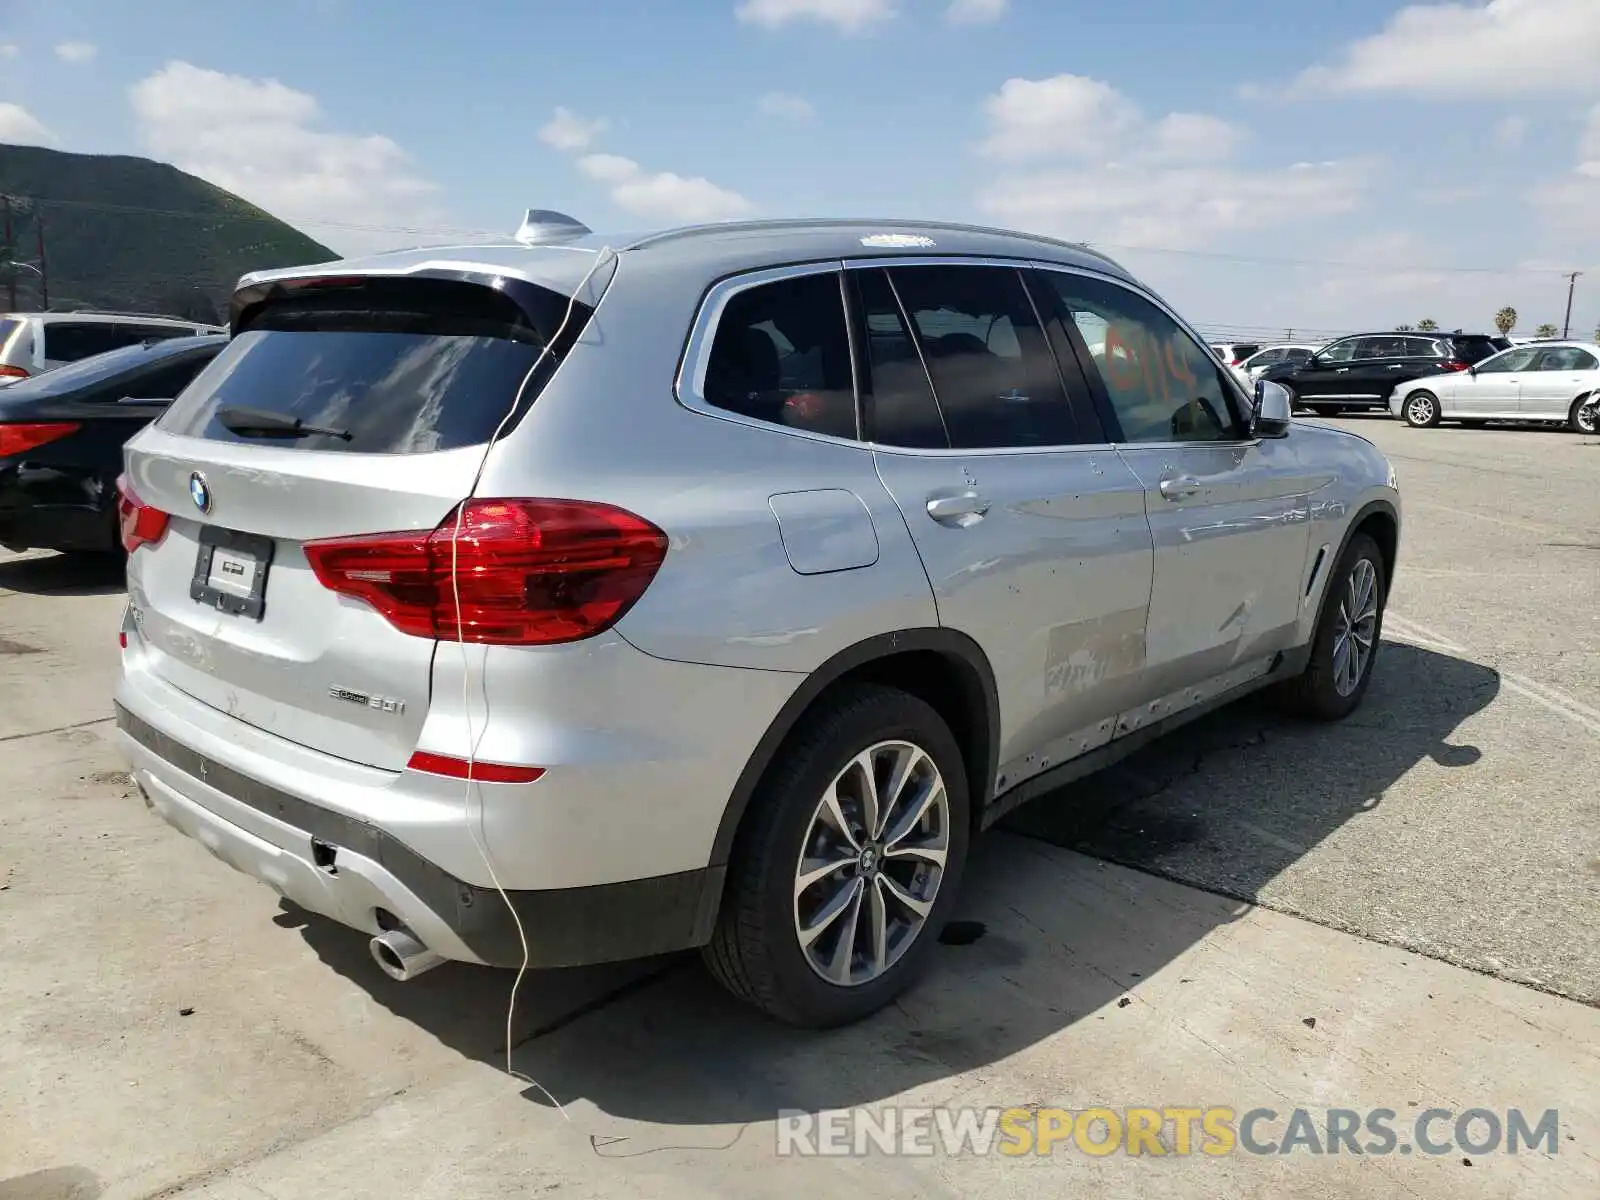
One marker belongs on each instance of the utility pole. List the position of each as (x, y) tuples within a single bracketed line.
[(1572, 282), (44, 267), (11, 252)]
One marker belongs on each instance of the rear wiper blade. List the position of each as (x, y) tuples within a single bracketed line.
[(261, 422)]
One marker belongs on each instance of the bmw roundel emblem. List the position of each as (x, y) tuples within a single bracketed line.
[(200, 492)]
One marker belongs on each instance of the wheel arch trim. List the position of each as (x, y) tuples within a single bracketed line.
[(959, 649)]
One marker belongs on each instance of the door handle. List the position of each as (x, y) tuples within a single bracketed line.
[(1340, 370), (1178, 487), (958, 508)]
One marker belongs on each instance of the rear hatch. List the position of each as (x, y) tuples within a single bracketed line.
[(397, 385)]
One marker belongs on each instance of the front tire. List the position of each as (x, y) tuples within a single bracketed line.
[(849, 863), (1345, 645), (1582, 417), (1421, 410)]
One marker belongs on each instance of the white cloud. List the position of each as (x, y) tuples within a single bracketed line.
[(1065, 114), (566, 130), (19, 127), (662, 194), (974, 12), (785, 106), (1589, 145), (847, 16), (10, 50), (1194, 137), (1504, 47), (259, 138), (1177, 207), (1087, 164), (1510, 131), (76, 52), (1073, 116)]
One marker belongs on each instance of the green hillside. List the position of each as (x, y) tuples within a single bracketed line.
[(128, 233)]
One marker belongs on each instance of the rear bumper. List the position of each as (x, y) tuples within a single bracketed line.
[(350, 871)]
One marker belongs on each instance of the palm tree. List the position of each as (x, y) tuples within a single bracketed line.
[(1402, 329), (1427, 325), (1505, 320), (1546, 330)]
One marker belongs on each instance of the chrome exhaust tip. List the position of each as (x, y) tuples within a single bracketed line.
[(401, 956)]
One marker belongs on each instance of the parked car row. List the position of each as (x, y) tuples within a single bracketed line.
[(1425, 378)]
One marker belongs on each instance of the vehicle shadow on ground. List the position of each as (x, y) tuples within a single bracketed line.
[(64, 574), (1064, 936)]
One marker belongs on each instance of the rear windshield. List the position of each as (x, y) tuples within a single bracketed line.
[(383, 366), (1476, 349)]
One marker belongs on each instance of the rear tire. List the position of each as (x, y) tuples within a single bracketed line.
[(760, 950), (1582, 417), (1344, 648), (1421, 410)]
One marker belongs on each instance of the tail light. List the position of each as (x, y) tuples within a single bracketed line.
[(7, 371), (22, 437), (527, 572), (452, 767), (1455, 364), (140, 524)]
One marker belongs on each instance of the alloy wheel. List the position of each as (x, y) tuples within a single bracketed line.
[(1420, 410), (872, 862), (1355, 628)]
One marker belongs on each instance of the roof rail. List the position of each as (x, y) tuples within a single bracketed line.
[(119, 312), (776, 223)]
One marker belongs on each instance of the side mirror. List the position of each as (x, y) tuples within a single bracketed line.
[(1270, 418)]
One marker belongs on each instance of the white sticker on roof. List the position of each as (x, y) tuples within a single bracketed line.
[(897, 241)]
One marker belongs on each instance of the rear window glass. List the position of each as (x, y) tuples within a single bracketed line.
[(1476, 349), (381, 366)]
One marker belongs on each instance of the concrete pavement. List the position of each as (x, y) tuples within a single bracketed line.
[(166, 1027)]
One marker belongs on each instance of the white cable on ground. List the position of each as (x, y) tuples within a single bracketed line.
[(601, 256)]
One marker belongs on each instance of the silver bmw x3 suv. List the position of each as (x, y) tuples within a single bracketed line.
[(564, 600)]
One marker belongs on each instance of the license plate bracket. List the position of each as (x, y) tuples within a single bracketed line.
[(230, 571)]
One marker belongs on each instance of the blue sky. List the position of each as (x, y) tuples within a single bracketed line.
[(1265, 164)]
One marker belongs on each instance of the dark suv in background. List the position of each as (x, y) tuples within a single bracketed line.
[(1361, 370)]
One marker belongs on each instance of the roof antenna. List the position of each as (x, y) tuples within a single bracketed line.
[(542, 225)]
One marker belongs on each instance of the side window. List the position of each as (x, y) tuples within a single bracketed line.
[(1297, 355), (168, 381), (781, 354), (1379, 347), (132, 335), (1162, 384), (1423, 348), (1567, 358), (68, 342), (993, 373), (1340, 351), (1511, 360), (898, 403)]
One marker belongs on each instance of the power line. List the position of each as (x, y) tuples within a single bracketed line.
[(1386, 268)]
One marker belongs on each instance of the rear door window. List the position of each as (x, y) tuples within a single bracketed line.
[(993, 373), (385, 366), (1565, 358), (71, 341), (781, 354)]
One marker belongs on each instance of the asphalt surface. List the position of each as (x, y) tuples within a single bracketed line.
[(166, 1026), (1457, 813)]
